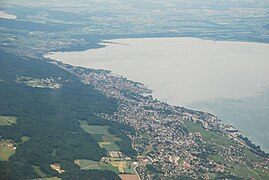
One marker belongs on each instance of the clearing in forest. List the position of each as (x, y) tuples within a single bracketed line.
[(8, 120)]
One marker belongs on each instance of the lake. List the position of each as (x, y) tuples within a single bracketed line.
[(229, 79)]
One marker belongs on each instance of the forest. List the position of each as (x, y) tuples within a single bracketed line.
[(50, 120)]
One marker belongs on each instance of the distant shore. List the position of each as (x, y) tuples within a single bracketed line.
[(182, 70)]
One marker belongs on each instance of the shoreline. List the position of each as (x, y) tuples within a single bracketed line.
[(99, 79), (98, 62), (118, 43)]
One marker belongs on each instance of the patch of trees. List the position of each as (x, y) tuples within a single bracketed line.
[(16, 171)]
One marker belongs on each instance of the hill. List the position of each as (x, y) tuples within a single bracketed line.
[(48, 103)]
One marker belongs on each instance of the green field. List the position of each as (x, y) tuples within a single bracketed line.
[(24, 139), (217, 158), (115, 165), (251, 156), (109, 146), (8, 120), (109, 167), (210, 136), (105, 138), (110, 138), (87, 164), (6, 150), (94, 129), (244, 172), (129, 168), (262, 172), (122, 166), (102, 136)]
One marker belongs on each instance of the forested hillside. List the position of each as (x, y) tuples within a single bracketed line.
[(46, 128)]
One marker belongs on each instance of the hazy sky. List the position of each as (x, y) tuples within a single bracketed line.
[(156, 4)]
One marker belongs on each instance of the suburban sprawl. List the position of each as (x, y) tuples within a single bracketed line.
[(173, 141)]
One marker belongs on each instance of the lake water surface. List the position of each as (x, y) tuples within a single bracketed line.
[(214, 76), (5, 15)]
